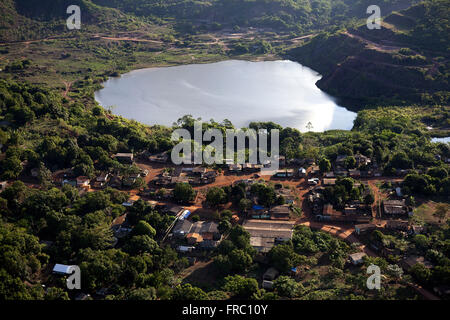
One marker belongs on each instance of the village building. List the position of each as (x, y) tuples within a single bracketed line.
[(249, 167), (124, 157), (197, 232), (280, 212), (235, 167), (159, 158), (329, 182), (101, 180), (397, 225), (395, 207), (354, 173), (264, 234), (357, 258), (61, 269)]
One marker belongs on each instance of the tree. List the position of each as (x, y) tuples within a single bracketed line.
[(142, 294), (11, 167), (421, 273), (216, 196), (188, 292), (240, 287), (144, 228), (140, 244), (55, 293), (350, 162), (183, 192), (245, 204), (224, 226), (283, 257), (394, 271), (286, 286)]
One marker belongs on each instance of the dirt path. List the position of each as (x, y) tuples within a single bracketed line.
[(373, 45)]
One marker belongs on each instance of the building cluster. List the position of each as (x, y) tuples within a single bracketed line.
[(192, 175)]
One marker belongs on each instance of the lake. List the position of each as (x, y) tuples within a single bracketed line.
[(241, 91)]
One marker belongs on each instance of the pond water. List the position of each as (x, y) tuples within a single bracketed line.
[(443, 140), (241, 91)]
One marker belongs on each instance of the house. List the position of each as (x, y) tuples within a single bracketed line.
[(182, 228), (360, 228), (302, 172), (280, 212), (271, 274), (159, 158), (249, 167), (397, 225), (193, 238), (329, 182), (259, 212), (83, 182), (268, 285), (395, 207), (357, 258), (235, 167), (62, 269), (284, 173), (173, 210), (124, 157), (264, 234), (200, 231), (313, 181), (185, 249), (198, 171)]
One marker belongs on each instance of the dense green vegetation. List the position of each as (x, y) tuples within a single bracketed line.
[(45, 130)]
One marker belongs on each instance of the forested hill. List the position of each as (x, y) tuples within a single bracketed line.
[(406, 61), (29, 19)]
